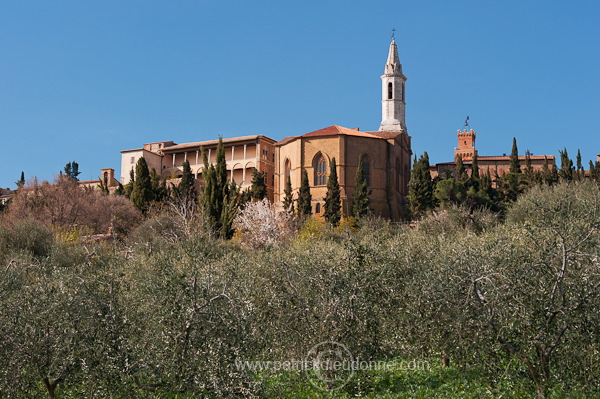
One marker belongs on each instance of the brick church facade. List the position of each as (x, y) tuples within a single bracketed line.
[(385, 154)]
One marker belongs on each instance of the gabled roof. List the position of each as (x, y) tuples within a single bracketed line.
[(335, 130)]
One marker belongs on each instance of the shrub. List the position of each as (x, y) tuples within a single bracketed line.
[(259, 225), (65, 204)]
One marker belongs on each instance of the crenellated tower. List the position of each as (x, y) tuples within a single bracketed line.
[(466, 145), (393, 102)]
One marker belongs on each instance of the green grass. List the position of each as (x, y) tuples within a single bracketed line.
[(437, 382)]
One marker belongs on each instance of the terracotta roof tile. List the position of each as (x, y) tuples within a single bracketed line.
[(507, 157), (335, 130)]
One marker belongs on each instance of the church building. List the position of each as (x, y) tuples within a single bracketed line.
[(385, 154)]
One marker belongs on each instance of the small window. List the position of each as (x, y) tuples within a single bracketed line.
[(390, 91), (318, 208), (105, 177), (132, 159)]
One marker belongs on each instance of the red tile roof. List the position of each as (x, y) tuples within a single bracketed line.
[(335, 130), (507, 157)]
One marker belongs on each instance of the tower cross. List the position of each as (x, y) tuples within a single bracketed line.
[(393, 33)]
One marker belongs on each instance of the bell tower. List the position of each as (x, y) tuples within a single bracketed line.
[(466, 145), (392, 93)]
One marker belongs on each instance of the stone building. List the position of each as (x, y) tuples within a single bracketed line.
[(242, 154), (108, 177), (386, 154), (495, 164)]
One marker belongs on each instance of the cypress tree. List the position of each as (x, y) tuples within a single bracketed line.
[(103, 186), (554, 172), (546, 174), (120, 190), (288, 199), (580, 170), (333, 205), (258, 190), (141, 194), (129, 186), (185, 190), (566, 166), (159, 189), (426, 166), (209, 190), (21, 182), (360, 200), (515, 165), (593, 171), (486, 181), (420, 187), (529, 167), (219, 196), (229, 211), (460, 173), (475, 167), (304, 201)]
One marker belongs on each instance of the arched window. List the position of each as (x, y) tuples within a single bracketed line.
[(366, 169), (403, 98), (390, 91), (105, 177), (288, 168), (318, 208), (320, 170)]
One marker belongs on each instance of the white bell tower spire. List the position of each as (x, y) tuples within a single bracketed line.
[(392, 93)]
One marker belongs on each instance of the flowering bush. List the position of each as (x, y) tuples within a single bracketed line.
[(259, 225)]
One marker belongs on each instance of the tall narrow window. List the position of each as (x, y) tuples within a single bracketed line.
[(318, 208), (403, 92), (105, 177), (320, 171), (366, 169), (390, 91), (288, 168)]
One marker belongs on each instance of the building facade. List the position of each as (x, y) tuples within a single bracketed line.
[(385, 159), (242, 154), (107, 176), (385, 155), (496, 165)]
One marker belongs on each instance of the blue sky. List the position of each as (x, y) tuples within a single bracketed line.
[(83, 80)]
